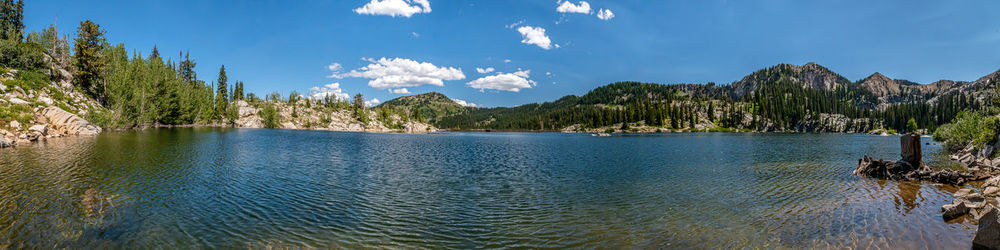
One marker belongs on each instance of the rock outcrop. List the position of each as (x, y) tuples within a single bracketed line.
[(66, 122), (835, 123), (302, 115)]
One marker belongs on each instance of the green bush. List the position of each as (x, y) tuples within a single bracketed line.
[(968, 128), (100, 118), (270, 116), (23, 56), (28, 80)]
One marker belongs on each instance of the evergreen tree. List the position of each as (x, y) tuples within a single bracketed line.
[(89, 63), (12, 19), (221, 99)]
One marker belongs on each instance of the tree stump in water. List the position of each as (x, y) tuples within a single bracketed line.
[(911, 167), (910, 143)]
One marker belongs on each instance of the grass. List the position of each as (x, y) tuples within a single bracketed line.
[(20, 113)]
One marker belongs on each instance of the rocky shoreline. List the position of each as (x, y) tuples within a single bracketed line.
[(983, 208)]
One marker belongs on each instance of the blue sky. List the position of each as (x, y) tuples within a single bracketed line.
[(291, 45)]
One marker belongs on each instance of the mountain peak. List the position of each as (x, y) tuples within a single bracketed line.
[(810, 75)]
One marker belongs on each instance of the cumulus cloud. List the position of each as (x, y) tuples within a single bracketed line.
[(464, 103), (394, 8), (415, 34), (605, 14), (512, 82), (536, 36), (331, 90), (506, 60), (372, 102), (567, 7), (400, 72), (400, 91), (486, 70)]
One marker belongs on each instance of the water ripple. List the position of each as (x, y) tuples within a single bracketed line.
[(248, 188)]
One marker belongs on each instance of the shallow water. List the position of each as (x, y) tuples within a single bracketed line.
[(261, 188)]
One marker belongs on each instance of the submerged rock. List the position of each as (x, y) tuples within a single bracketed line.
[(952, 211)]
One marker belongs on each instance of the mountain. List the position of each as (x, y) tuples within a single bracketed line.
[(432, 106), (810, 75), (785, 97), (891, 91)]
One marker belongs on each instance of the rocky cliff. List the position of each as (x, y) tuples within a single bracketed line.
[(300, 115)]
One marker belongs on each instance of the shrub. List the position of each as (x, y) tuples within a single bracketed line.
[(28, 80), (968, 128), (270, 116), (100, 118), (24, 56)]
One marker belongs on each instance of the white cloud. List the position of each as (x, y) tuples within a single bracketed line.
[(415, 34), (513, 82), (605, 14), (332, 90), (372, 102), (515, 24), (506, 60), (486, 70), (536, 36), (335, 67), (400, 72), (405, 8), (522, 73), (464, 103), (567, 7), (399, 91)]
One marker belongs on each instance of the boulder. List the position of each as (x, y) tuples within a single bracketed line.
[(988, 234), (952, 211), (971, 201), (33, 136), (40, 129), (15, 124), (4, 143), (992, 182), (962, 192), (68, 122), (991, 191), (18, 101)]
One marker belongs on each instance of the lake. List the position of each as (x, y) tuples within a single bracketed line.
[(258, 188)]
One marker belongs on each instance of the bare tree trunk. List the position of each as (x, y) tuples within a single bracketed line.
[(910, 144)]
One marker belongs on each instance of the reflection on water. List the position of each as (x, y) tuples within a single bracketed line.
[(245, 188)]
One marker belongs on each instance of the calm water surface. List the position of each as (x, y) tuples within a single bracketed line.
[(236, 188)]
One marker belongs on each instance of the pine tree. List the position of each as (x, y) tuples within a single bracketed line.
[(221, 99), (12, 19), (89, 63)]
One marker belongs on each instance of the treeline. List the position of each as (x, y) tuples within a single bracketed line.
[(775, 105)]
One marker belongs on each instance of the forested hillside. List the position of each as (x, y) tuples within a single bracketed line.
[(806, 98)]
